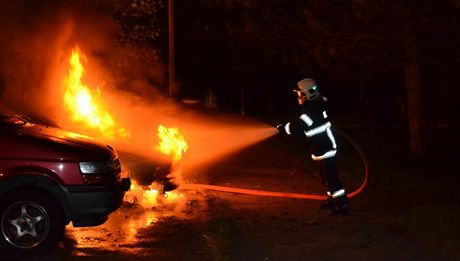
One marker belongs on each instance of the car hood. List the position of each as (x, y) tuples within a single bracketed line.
[(68, 138)]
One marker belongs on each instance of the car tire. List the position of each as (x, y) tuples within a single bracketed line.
[(32, 223)]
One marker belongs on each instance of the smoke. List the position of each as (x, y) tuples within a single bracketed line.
[(35, 46), (22, 53)]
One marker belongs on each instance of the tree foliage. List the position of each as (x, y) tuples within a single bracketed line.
[(138, 20), (331, 34)]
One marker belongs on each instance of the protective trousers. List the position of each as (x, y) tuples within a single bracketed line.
[(330, 174)]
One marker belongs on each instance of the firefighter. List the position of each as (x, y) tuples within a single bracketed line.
[(315, 125)]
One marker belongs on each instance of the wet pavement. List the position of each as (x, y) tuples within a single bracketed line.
[(211, 225), (208, 225), (168, 231)]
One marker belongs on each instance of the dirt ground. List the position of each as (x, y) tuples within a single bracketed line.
[(212, 225)]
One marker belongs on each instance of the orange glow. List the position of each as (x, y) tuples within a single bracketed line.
[(172, 143), (83, 103)]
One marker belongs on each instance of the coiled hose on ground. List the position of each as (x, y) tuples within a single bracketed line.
[(291, 195)]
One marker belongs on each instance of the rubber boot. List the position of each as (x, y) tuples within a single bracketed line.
[(340, 206), (327, 204)]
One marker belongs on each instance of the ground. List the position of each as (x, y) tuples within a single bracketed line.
[(212, 225)]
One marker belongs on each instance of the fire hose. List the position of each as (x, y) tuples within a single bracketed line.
[(286, 194)]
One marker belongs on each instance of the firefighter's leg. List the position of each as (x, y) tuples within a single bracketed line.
[(340, 203), (337, 198), (329, 202)]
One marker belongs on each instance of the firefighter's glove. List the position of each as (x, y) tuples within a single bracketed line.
[(280, 128)]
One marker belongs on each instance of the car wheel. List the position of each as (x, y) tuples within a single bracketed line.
[(32, 223)]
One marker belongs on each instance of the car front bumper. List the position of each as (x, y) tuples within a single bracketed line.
[(91, 205)]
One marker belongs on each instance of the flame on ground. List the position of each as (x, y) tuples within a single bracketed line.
[(149, 196), (83, 103)]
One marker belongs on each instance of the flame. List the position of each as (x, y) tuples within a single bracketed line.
[(85, 107), (82, 102), (150, 196), (172, 143)]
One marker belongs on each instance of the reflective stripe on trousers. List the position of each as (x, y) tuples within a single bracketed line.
[(326, 155)]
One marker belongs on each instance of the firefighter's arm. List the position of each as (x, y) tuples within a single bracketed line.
[(291, 128), (280, 128)]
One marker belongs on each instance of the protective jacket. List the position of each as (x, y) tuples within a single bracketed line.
[(313, 123)]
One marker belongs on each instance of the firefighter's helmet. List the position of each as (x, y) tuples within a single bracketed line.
[(306, 90)]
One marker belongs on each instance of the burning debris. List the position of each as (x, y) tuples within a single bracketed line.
[(173, 144), (152, 196)]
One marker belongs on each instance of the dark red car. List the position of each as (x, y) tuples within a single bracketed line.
[(49, 178)]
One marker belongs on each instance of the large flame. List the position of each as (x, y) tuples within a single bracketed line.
[(83, 103), (85, 107)]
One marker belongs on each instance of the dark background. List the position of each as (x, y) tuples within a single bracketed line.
[(252, 53), (369, 57)]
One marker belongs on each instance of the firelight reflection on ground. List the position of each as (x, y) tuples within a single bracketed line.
[(122, 231)]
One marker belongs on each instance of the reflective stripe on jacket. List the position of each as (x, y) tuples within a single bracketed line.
[(314, 124)]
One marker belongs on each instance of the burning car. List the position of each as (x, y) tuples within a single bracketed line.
[(49, 178)]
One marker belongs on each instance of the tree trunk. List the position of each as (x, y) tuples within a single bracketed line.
[(417, 129)]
